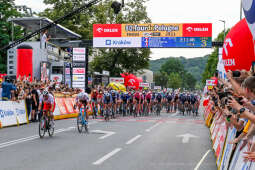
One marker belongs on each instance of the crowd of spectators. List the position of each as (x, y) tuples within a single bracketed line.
[(235, 101), (30, 91)]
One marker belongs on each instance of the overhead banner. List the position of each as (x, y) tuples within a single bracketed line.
[(193, 35)]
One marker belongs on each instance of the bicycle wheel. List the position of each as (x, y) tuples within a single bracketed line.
[(42, 129), (50, 128), (86, 128), (79, 123)]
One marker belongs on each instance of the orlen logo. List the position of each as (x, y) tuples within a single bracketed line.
[(100, 30), (131, 81), (111, 30), (190, 29)]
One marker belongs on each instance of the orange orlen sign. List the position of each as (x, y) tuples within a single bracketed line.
[(152, 30)]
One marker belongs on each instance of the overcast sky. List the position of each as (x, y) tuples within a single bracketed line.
[(180, 11)]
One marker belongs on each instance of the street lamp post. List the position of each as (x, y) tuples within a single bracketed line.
[(224, 28)]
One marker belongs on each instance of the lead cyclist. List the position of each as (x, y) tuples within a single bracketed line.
[(82, 99), (48, 105)]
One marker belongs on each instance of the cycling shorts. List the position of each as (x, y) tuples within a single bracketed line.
[(148, 100)]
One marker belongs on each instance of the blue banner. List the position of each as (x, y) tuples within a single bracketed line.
[(176, 42)]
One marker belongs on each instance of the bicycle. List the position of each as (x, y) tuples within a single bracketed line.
[(158, 109), (81, 121), (46, 125)]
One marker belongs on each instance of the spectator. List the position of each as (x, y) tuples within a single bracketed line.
[(35, 101), (7, 89), (28, 100)]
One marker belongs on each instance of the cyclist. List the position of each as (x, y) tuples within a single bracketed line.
[(131, 102), (148, 101), (114, 102), (159, 100), (176, 98), (82, 100), (169, 102), (138, 100), (94, 102), (124, 98), (101, 102), (107, 103), (47, 101), (182, 98)]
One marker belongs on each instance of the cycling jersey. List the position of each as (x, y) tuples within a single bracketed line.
[(169, 98), (47, 103), (107, 98), (125, 97), (159, 97), (94, 96)]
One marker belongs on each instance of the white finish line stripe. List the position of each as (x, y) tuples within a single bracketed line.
[(148, 130), (201, 161), (104, 158), (133, 139)]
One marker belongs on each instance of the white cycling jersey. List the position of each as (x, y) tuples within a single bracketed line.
[(50, 99), (82, 96)]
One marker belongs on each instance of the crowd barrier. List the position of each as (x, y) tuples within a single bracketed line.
[(227, 156), (13, 113)]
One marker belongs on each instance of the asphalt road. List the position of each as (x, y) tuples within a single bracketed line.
[(129, 144)]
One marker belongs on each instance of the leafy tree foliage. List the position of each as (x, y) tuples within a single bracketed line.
[(7, 10), (174, 80)]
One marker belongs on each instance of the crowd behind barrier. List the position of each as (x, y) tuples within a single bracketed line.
[(229, 112)]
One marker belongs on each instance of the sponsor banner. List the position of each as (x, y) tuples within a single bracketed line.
[(79, 78), (12, 113), (197, 30), (78, 84), (151, 30), (65, 106), (107, 30), (210, 83), (228, 149), (117, 80), (117, 42), (221, 142), (176, 42), (56, 77), (79, 50), (79, 71), (79, 65), (238, 158), (147, 85), (79, 57), (67, 71), (157, 87)]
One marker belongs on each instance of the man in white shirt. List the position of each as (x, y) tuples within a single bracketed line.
[(44, 39)]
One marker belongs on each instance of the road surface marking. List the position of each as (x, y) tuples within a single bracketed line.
[(107, 133), (175, 114), (133, 139), (104, 158), (148, 130), (21, 140), (186, 137), (201, 161)]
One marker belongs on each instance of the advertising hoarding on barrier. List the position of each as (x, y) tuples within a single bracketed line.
[(117, 80), (12, 113), (146, 85), (169, 35), (227, 149), (64, 108)]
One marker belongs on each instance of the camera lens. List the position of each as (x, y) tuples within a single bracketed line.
[(236, 73)]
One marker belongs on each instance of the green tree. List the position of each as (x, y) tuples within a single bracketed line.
[(189, 82), (7, 10), (174, 81), (173, 65), (161, 79), (114, 60)]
